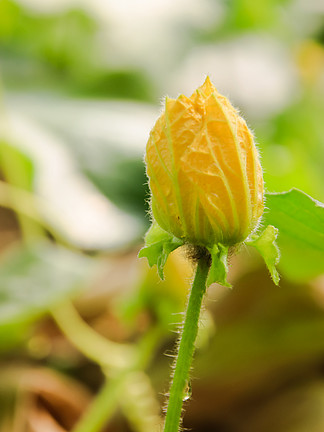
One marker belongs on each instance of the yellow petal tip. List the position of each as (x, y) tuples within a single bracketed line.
[(208, 87)]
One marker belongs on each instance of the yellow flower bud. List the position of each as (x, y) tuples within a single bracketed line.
[(204, 170)]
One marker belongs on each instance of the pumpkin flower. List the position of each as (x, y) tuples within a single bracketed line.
[(206, 183), (204, 170)]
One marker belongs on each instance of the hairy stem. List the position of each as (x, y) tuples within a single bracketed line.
[(186, 348)]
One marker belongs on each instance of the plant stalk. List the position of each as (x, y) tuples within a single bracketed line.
[(186, 348), (103, 405)]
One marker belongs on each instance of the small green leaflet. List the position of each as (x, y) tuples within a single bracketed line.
[(158, 245), (219, 268), (266, 245), (300, 220)]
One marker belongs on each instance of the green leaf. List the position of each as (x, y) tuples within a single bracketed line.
[(266, 245), (219, 267), (158, 245), (300, 220), (33, 280)]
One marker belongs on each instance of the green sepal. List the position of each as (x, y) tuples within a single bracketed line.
[(158, 245), (265, 244), (219, 267)]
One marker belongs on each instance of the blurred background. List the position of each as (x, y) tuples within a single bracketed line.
[(87, 330)]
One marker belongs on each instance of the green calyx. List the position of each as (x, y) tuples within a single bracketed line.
[(159, 244)]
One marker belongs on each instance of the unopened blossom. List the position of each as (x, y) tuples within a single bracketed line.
[(204, 170)]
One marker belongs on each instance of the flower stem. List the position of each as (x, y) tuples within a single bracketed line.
[(186, 347)]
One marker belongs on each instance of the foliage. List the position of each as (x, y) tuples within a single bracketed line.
[(300, 220)]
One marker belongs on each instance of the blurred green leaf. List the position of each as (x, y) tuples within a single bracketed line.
[(67, 56), (123, 180), (107, 152), (119, 84), (292, 147), (247, 14), (33, 280), (18, 170), (17, 167), (67, 37), (300, 220)]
